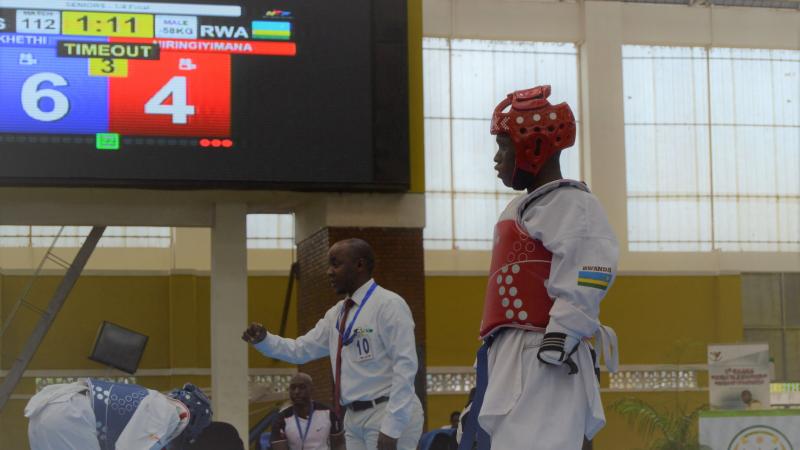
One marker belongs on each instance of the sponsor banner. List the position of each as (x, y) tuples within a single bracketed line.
[(738, 376)]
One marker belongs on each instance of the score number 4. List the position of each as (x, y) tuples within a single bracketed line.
[(179, 109), (32, 94)]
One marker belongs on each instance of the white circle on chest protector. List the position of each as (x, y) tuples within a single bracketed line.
[(512, 291), (518, 303), (522, 315), (509, 314)]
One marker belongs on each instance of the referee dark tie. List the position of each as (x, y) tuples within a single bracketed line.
[(337, 382)]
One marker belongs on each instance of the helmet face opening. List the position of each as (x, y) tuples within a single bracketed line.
[(538, 129)]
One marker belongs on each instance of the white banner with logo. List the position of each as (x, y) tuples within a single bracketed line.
[(777, 429), (738, 376)]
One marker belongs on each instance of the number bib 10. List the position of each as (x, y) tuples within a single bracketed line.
[(361, 348)]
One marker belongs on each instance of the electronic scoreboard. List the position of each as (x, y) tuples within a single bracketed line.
[(298, 94)]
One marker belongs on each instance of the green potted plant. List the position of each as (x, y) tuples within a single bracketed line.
[(665, 429)]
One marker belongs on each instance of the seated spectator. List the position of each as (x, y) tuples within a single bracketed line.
[(306, 425), (439, 439)]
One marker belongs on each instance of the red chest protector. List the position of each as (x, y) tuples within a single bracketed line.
[(515, 294)]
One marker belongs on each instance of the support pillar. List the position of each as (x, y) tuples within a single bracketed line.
[(229, 363), (603, 134)]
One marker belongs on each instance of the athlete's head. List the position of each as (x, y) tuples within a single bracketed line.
[(199, 407), (530, 135)]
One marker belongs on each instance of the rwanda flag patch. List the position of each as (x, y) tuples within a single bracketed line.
[(595, 277)]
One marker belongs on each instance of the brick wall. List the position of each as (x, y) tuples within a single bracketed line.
[(399, 267)]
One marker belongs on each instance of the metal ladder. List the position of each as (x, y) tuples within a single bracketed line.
[(46, 316)]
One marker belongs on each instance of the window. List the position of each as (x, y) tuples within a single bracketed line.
[(463, 82), (266, 231), (712, 143), (42, 236), (771, 314)]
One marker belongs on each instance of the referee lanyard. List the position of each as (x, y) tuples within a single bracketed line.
[(347, 337), (303, 436)]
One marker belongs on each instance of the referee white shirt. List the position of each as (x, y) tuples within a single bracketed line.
[(381, 360)]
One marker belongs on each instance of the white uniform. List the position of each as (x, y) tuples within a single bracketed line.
[(529, 404), (300, 434), (381, 361), (61, 418)]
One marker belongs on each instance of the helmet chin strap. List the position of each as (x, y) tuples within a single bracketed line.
[(522, 179)]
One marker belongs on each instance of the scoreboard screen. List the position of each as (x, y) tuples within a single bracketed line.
[(295, 94)]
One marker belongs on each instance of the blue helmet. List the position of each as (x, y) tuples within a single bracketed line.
[(199, 410)]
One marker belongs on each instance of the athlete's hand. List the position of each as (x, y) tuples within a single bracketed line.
[(255, 333), (556, 349), (386, 443)]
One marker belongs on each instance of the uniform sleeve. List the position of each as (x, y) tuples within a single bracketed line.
[(312, 345), (583, 268), (153, 423), (397, 334), (278, 432), (582, 271)]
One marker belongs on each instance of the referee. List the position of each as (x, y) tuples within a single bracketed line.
[(369, 336)]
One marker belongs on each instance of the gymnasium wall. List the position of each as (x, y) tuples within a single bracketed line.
[(659, 320)]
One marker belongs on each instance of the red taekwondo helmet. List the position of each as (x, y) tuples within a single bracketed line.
[(537, 128)]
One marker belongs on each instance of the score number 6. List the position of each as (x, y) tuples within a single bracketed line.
[(32, 94)]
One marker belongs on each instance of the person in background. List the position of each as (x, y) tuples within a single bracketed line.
[(454, 416), (749, 401), (306, 425)]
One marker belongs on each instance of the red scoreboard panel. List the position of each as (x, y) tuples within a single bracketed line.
[(180, 94)]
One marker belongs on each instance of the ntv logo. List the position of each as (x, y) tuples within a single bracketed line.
[(278, 13)]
